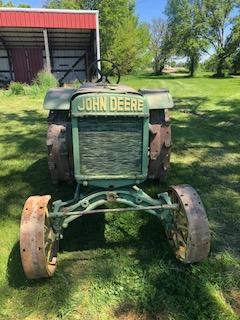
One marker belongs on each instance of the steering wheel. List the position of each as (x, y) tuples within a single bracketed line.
[(111, 70)]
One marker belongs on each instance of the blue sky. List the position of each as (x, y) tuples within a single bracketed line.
[(33, 3), (149, 9), (146, 9)]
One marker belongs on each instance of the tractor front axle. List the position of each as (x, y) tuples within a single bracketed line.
[(113, 210)]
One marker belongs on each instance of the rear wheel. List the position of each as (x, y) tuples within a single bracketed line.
[(59, 144), (38, 244), (160, 144), (190, 235)]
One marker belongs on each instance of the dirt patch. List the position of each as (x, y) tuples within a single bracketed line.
[(127, 311), (233, 297)]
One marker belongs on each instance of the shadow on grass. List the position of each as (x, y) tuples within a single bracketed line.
[(206, 126), (34, 181), (15, 274), (167, 76), (142, 275), (27, 135), (129, 258), (190, 104)]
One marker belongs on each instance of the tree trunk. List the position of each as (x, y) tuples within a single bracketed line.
[(235, 70), (220, 65), (193, 65), (156, 66), (161, 68)]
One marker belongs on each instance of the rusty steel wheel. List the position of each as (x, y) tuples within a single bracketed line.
[(190, 236), (38, 244)]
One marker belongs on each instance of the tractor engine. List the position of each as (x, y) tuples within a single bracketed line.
[(108, 133)]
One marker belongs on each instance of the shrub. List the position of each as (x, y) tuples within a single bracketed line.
[(45, 80), (40, 85), (32, 90), (16, 88)]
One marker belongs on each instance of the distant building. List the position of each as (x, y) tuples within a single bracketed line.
[(33, 39)]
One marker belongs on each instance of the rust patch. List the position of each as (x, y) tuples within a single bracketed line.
[(35, 261), (194, 243), (59, 145), (160, 144)]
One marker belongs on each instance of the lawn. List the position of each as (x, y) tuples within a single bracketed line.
[(121, 267)]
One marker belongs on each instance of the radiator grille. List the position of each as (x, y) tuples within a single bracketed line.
[(110, 145)]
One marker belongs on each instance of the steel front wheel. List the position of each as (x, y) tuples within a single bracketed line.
[(190, 235), (38, 244)]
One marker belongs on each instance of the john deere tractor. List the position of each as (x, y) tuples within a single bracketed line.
[(109, 138)]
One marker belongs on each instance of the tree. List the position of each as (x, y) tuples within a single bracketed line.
[(209, 64), (120, 31), (24, 5), (185, 26), (235, 62), (111, 15), (221, 29), (64, 4), (159, 44), (130, 46), (10, 4)]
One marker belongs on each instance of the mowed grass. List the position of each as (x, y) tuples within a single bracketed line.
[(121, 266)]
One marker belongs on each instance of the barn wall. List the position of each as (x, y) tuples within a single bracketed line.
[(4, 64), (62, 60)]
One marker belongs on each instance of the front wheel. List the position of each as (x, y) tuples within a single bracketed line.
[(190, 234), (38, 243)]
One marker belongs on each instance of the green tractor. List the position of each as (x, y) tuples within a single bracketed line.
[(109, 138)]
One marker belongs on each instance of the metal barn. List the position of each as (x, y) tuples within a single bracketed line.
[(64, 42)]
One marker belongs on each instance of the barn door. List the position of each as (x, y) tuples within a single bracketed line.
[(19, 62), (35, 61), (26, 63)]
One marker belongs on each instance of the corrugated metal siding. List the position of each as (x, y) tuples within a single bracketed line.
[(62, 60), (19, 61), (35, 61), (4, 64), (26, 63), (47, 20)]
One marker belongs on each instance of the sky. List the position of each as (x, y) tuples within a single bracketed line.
[(146, 9), (149, 9)]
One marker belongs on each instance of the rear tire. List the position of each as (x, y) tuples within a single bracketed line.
[(59, 146), (160, 144)]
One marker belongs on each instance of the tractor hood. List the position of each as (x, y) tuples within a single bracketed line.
[(60, 98)]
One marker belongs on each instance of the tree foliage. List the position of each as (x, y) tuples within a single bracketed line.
[(235, 61), (120, 31), (199, 24), (10, 4), (130, 46), (220, 28), (185, 24), (160, 44)]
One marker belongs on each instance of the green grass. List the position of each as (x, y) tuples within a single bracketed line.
[(121, 267)]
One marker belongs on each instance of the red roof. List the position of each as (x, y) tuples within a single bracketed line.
[(64, 19)]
